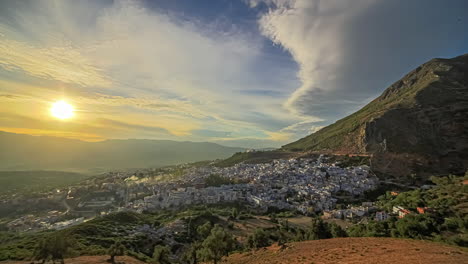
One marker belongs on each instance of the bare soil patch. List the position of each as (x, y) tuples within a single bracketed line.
[(355, 250)]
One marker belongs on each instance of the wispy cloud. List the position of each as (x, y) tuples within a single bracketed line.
[(145, 65), (64, 64), (349, 51), (132, 70)]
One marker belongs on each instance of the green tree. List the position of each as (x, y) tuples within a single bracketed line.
[(43, 251), (204, 230), (416, 226), (218, 244), (190, 255), (60, 246), (234, 213), (161, 255), (258, 239), (318, 230), (117, 249), (54, 247), (337, 231)]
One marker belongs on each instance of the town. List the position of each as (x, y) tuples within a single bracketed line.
[(303, 185)]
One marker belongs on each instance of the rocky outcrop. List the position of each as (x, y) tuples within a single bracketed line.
[(418, 125)]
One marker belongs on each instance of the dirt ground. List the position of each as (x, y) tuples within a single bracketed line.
[(355, 250)]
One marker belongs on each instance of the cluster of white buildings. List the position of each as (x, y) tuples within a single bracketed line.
[(302, 184), (351, 212), (305, 185)]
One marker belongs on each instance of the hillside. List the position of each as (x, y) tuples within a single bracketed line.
[(354, 250), (26, 152), (418, 124), (28, 181)]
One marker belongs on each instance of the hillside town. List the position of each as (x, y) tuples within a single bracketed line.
[(303, 185)]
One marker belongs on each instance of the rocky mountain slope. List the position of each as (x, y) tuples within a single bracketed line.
[(418, 124)]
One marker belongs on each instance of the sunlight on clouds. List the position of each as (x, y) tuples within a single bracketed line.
[(64, 64), (149, 68)]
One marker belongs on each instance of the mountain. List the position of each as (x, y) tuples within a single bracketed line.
[(418, 124), (25, 152)]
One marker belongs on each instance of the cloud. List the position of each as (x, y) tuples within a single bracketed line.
[(65, 64), (10, 97), (311, 31), (165, 74), (304, 128), (348, 51), (147, 65)]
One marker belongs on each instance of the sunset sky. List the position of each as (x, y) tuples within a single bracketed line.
[(250, 73)]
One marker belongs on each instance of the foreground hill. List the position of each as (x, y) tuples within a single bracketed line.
[(86, 260), (26, 152), (418, 123), (354, 250)]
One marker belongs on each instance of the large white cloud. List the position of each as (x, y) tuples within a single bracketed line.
[(349, 51), (312, 31)]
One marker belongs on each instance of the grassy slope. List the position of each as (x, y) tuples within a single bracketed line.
[(342, 133)]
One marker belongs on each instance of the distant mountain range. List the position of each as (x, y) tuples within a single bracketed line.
[(25, 152), (419, 124)]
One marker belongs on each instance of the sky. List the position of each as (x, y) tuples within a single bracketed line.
[(250, 73)]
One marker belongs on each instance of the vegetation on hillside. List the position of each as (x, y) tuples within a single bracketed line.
[(213, 232), (18, 182), (445, 219)]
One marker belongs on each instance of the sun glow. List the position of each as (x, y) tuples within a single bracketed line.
[(62, 110)]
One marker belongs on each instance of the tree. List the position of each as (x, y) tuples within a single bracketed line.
[(318, 230), (161, 255), (60, 247), (416, 226), (117, 249), (282, 238), (218, 244), (337, 231), (234, 213), (190, 255), (204, 230), (54, 247), (258, 239), (42, 251)]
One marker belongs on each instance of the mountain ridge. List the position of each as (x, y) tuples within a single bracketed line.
[(418, 122), (26, 152)]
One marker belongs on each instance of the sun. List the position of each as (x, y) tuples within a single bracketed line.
[(62, 110)]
